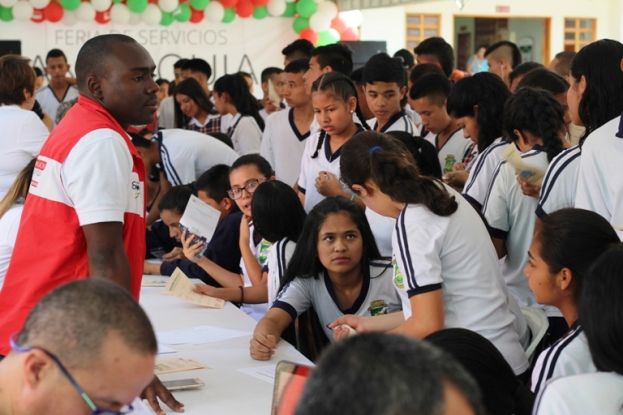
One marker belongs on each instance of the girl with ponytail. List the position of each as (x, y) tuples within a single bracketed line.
[(444, 264)]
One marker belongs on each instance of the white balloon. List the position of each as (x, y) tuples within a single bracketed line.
[(8, 3), (168, 6), (152, 15), (214, 12), (119, 14), (69, 18), (135, 18), (101, 5), (39, 4), (352, 18), (85, 12), (319, 22), (327, 8), (22, 10), (276, 7)]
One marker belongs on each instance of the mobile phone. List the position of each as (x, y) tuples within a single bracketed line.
[(183, 384), (290, 379)]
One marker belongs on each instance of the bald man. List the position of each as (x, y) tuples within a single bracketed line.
[(85, 211)]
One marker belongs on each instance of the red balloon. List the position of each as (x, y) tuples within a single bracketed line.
[(37, 15), (196, 16), (309, 34), (102, 17), (349, 35), (229, 3), (53, 12), (152, 1), (244, 8), (259, 2), (338, 24)]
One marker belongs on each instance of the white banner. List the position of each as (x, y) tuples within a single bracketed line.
[(248, 45)]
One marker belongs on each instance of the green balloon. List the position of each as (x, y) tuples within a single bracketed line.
[(230, 15), (137, 6), (300, 23), (199, 4), (166, 19), (6, 14), (306, 8), (260, 12), (116, 1), (326, 38), (70, 4), (182, 14), (290, 10)]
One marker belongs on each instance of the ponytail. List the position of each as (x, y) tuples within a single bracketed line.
[(19, 188)]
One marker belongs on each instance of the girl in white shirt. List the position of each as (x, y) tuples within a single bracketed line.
[(445, 267), (232, 96), (193, 108)]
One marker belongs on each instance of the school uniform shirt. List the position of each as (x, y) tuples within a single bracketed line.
[(283, 145), (166, 113), (50, 102), (593, 393), (279, 255), (88, 172), (457, 147), (377, 296), (212, 124), (185, 154), (568, 356), (400, 121), (382, 228), (455, 254), (600, 185), (481, 172), (559, 184), (260, 248), (415, 118), (9, 223), (23, 134), (245, 134)]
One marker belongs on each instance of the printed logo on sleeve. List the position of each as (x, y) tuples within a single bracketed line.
[(262, 257), (378, 307), (399, 279)]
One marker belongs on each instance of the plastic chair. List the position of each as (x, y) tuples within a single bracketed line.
[(538, 324)]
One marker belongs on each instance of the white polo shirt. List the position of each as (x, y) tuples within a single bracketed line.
[(560, 182), (482, 170), (23, 134), (455, 254), (457, 146), (245, 134), (400, 121), (415, 118), (49, 102), (186, 154), (593, 393), (255, 311), (9, 224), (600, 182), (279, 255), (166, 113)]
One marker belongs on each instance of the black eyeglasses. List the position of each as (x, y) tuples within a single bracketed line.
[(127, 409), (250, 187)]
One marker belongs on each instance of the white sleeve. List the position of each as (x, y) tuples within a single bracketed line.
[(294, 298), (248, 136), (552, 400), (495, 209), (266, 147), (592, 190), (97, 175), (33, 134)]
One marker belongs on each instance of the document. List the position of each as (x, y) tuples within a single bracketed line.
[(180, 286), (151, 282), (198, 335), (265, 373), (178, 364), (200, 219), (531, 174)]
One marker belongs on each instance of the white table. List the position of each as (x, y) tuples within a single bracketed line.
[(226, 390)]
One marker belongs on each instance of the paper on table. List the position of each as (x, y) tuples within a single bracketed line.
[(178, 364), (180, 286), (200, 218), (164, 349), (265, 373), (154, 283), (198, 335)]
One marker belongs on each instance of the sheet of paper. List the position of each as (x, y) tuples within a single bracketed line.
[(529, 173), (200, 219), (265, 373), (165, 349), (151, 282), (198, 335), (177, 364), (180, 286)]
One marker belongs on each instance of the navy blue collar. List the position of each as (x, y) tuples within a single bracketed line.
[(389, 122), (365, 286), (296, 131)]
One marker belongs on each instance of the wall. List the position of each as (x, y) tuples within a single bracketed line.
[(534, 28)]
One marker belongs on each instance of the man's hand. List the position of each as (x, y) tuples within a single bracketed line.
[(156, 390), (175, 253)]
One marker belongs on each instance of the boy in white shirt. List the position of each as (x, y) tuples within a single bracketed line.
[(59, 88)]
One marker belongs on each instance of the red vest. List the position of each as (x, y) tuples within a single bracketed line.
[(51, 249)]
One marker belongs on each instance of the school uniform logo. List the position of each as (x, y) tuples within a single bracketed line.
[(378, 307), (263, 252), (399, 279)]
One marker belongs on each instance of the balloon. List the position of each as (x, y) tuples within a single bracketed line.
[(259, 2), (182, 14), (299, 24), (244, 8), (9, 3), (276, 7), (260, 12), (349, 35), (39, 4), (137, 6), (214, 12), (6, 14), (70, 4), (135, 18), (22, 10), (319, 22), (352, 18), (229, 3), (168, 6), (119, 14), (166, 19), (53, 13), (338, 24), (199, 4), (101, 5), (309, 34), (37, 15), (69, 18), (229, 16), (196, 16), (151, 15), (102, 17), (290, 9), (327, 8), (306, 8), (328, 37)]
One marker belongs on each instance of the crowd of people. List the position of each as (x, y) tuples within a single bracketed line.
[(405, 216)]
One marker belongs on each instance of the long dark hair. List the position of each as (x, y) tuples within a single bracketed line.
[(235, 86), (277, 211), (193, 90), (305, 262), (489, 93), (380, 158), (599, 63), (538, 112)]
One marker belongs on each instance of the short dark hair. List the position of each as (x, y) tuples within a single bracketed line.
[(161, 81), (268, 72), (511, 48), (272, 202), (215, 182), (38, 71), (433, 86), (385, 374), (74, 320), (179, 64), (406, 57), (139, 141), (94, 53), (198, 65), (563, 66), (522, 69), (262, 165), (357, 76), (55, 53), (422, 69), (383, 68), (424, 153), (297, 66), (302, 47), (545, 79), (438, 47), (176, 199), (15, 75), (338, 56)]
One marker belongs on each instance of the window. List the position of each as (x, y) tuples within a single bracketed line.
[(420, 27), (579, 32)]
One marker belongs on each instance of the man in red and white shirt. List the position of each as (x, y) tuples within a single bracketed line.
[(85, 212)]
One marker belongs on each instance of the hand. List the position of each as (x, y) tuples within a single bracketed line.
[(263, 346), (343, 331), (357, 323), (245, 232), (528, 188), (150, 268), (204, 289), (190, 248), (459, 165), (176, 253), (328, 184), (456, 178), (156, 390)]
